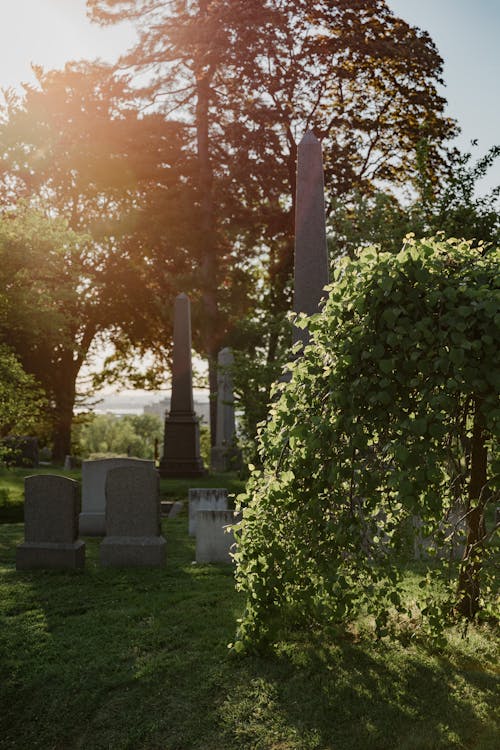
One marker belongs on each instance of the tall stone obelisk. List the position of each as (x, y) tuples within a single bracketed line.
[(225, 454), (181, 442), (311, 272)]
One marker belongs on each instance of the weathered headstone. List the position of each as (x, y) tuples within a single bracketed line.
[(225, 454), (311, 272), (50, 524), (181, 442), (452, 529), (93, 516), (201, 498), (214, 537), (133, 533), (70, 463)]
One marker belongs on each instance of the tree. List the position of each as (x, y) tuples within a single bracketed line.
[(128, 435), (73, 147), (21, 398), (453, 206), (248, 77), (390, 412), (51, 312)]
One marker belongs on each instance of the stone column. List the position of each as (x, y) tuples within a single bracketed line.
[(311, 271), (225, 454), (181, 443)]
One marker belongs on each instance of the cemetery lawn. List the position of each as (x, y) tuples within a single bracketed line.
[(106, 659)]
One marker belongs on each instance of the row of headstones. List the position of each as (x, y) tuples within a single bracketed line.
[(132, 522)]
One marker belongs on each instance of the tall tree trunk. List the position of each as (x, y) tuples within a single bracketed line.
[(469, 577), (64, 404), (208, 265)]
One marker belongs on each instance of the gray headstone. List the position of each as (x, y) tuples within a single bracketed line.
[(214, 537), (93, 516), (181, 442), (311, 272), (454, 530), (201, 498), (50, 524), (225, 454), (133, 533)]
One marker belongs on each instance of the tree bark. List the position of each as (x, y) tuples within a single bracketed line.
[(208, 250), (470, 568), (64, 400)]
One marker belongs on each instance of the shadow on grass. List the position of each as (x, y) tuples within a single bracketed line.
[(354, 696), (137, 659)]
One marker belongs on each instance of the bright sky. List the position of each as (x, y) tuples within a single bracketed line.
[(466, 32)]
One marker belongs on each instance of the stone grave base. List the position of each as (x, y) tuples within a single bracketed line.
[(92, 524), (50, 555), (180, 468), (133, 551), (213, 542)]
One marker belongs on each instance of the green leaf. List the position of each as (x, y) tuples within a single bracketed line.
[(386, 365)]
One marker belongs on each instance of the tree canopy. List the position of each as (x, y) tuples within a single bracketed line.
[(248, 77)]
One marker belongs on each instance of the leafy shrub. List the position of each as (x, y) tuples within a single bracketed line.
[(391, 412)]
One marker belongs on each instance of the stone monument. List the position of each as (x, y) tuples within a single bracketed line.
[(93, 516), (205, 498), (50, 524), (214, 536), (311, 271), (225, 454), (181, 442), (133, 533)]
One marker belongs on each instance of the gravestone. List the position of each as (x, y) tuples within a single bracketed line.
[(225, 454), (133, 533), (70, 463), (50, 524), (93, 516), (214, 537), (181, 441), (201, 498), (454, 530), (311, 271)]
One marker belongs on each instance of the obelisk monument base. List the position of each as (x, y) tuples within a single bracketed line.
[(181, 456)]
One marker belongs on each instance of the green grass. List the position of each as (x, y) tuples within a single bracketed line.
[(114, 659)]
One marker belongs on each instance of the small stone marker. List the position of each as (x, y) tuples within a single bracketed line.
[(311, 271), (181, 441), (50, 524), (70, 463), (133, 534), (214, 537), (225, 454), (201, 498), (93, 516)]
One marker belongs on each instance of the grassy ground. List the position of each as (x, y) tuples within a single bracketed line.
[(115, 659)]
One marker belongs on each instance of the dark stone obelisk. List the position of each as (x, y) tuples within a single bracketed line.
[(181, 442), (311, 273)]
